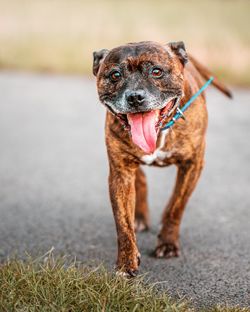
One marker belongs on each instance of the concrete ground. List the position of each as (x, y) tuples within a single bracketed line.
[(53, 188)]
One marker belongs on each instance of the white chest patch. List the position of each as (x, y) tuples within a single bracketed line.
[(159, 155)]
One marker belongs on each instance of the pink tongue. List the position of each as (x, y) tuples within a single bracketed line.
[(143, 130)]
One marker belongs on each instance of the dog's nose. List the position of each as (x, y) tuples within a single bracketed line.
[(135, 98)]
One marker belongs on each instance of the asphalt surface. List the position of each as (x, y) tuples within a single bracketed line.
[(53, 188)]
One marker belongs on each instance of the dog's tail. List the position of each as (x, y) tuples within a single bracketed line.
[(205, 73)]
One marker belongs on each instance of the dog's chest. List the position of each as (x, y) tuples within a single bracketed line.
[(159, 156)]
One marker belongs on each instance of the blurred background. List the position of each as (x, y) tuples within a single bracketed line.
[(60, 36), (53, 163)]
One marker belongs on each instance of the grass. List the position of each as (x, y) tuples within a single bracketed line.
[(60, 35), (52, 285), (55, 284)]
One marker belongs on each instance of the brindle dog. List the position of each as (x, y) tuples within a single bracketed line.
[(142, 84)]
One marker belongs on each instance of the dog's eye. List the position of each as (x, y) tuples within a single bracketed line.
[(156, 72), (115, 75)]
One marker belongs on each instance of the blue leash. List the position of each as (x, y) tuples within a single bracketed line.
[(186, 106)]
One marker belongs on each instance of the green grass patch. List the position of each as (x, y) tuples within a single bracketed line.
[(49, 284), (57, 284)]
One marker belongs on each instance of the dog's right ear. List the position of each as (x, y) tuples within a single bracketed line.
[(98, 57), (180, 51)]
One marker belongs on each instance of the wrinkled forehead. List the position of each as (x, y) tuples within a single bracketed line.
[(137, 53)]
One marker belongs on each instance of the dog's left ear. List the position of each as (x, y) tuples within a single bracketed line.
[(179, 49), (98, 57)]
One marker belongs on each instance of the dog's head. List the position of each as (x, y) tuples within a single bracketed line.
[(141, 83)]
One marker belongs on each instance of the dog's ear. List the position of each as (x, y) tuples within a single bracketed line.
[(98, 57), (179, 49)]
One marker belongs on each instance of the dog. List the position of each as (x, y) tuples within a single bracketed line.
[(143, 85)]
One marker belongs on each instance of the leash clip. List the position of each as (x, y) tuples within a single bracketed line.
[(181, 113)]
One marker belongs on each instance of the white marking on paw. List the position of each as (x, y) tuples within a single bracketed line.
[(121, 273), (160, 254), (140, 226)]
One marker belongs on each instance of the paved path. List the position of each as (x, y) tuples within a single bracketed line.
[(53, 188)]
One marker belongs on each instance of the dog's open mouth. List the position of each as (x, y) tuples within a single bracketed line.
[(144, 126)]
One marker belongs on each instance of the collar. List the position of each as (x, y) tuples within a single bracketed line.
[(180, 111)]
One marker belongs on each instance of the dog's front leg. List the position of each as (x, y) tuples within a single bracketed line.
[(122, 195), (187, 177)]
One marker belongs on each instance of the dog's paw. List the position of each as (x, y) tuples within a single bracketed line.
[(141, 225), (128, 270), (167, 250), (127, 274)]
